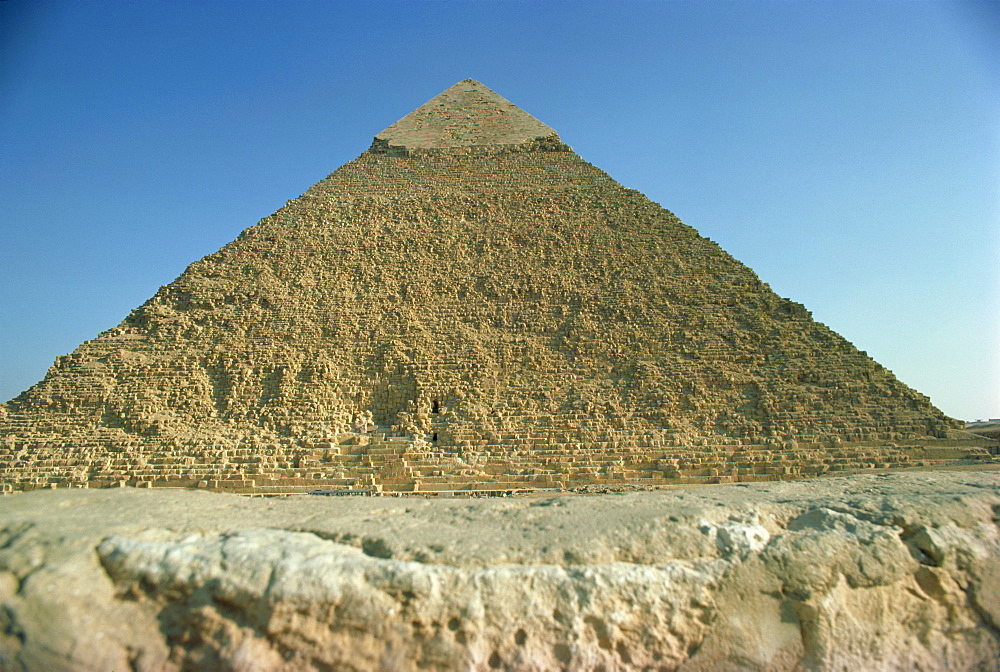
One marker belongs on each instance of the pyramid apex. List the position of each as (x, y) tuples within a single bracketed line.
[(467, 114)]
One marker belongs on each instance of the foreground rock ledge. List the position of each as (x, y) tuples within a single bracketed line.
[(874, 572)]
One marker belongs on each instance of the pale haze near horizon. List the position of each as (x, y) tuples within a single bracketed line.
[(849, 153)]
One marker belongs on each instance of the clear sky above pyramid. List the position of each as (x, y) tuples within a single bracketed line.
[(847, 152)]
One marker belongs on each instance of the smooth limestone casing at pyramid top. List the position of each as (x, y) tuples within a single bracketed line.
[(468, 304)]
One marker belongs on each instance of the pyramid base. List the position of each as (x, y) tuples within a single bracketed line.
[(379, 463)]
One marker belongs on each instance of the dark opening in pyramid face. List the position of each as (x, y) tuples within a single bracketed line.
[(467, 304)]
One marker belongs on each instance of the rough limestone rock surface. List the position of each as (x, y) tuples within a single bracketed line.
[(469, 304), (868, 572)]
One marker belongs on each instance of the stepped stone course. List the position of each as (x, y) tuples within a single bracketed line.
[(467, 305)]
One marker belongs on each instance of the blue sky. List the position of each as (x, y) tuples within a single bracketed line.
[(848, 152)]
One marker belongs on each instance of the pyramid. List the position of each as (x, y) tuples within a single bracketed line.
[(467, 305)]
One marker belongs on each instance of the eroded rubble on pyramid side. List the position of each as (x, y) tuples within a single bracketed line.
[(465, 317)]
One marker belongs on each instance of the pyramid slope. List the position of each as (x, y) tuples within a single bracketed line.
[(447, 319), (467, 114)]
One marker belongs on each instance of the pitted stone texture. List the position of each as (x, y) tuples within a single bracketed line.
[(466, 115), (404, 615), (881, 573)]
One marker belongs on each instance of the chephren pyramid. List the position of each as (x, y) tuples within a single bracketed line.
[(467, 305)]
